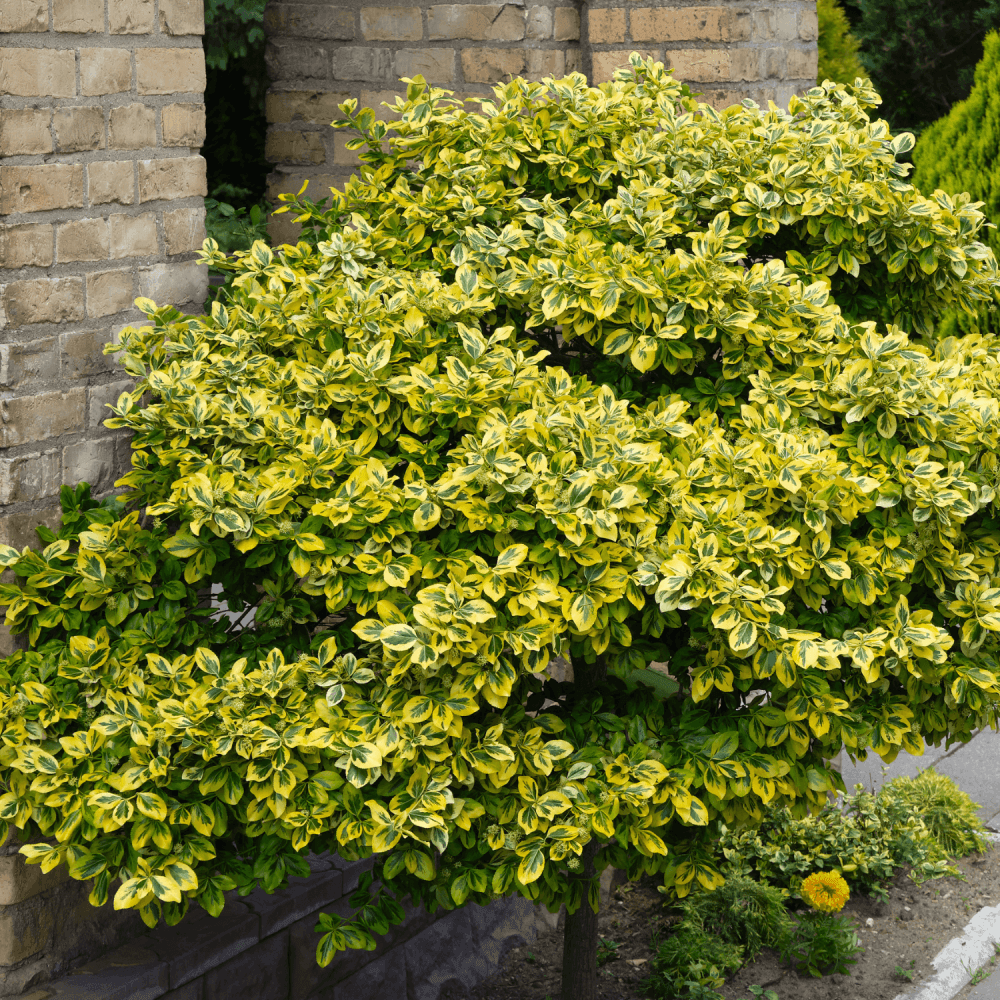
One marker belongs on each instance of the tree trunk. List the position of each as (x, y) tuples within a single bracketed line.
[(579, 971)]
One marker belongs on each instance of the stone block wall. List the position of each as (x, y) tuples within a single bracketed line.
[(321, 52), (101, 185)]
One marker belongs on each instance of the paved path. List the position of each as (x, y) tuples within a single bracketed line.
[(974, 766)]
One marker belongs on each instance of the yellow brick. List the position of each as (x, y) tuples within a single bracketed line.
[(133, 236), (170, 71), (308, 21), (342, 156), (78, 129), (310, 106), (25, 131), (808, 26), (802, 64), (111, 181), (130, 17), (169, 179), (679, 24), (567, 24), (84, 239), (492, 65), (391, 24), (79, 16), (486, 22), (132, 126), (605, 26), (374, 99), (184, 230), (539, 23), (26, 246), (183, 125), (105, 71), (109, 292), (44, 300), (38, 72), (40, 188), (436, 66), (24, 15), (294, 147), (701, 65), (541, 63), (182, 17)]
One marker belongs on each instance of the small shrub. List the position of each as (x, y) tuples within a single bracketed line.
[(822, 944)]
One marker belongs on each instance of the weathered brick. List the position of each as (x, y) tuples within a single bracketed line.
[(41, 188), (78, 129), (487, 22), (700, 65), (573, 61), (392, 24), (105, 71), (43, 300), (309, 20), (310, 106), (363, 64), (26, 246), (38, 418), (84, 239), (38, 72), (802, 64), (375, 99), (294, 147), (102, 396), (79, 16), (679, 24), (20, 881), (606, 26), (25, 131), (24, 15), (130, 17), (722, 98), (261, 972), (168, 179), (36, 361), (170, 71), (745, 64), (342, 156), (133, 236), (296, 59), (26, 478), (109, 292), (25, 930), (539, 23), (491, 65), (773, 64), (436, 66), (567, 24), (774, 25), (111, 181), (132, 126), (182, 17), (178, 284), (183, 125), (184, 230), (92, 462), (540, 63), (83, 354), (808, 25), (605, 63)]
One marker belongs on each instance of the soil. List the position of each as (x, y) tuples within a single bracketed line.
[(906, 932)]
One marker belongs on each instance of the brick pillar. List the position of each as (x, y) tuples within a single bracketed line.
[(101, 120), (319, 54), (726, 51)]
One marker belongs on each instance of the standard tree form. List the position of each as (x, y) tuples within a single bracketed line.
[(597, 373)]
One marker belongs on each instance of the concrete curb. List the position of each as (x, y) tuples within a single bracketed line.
[(959, 958)]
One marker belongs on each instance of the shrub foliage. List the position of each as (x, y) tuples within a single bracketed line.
[(597, 373), (838, 48)]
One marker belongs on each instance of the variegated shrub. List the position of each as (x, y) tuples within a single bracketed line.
[(591, 373)]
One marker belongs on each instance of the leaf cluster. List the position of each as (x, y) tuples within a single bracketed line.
[(594, 374)]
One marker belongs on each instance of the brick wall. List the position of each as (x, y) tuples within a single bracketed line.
[(320, 52), (101, 120)]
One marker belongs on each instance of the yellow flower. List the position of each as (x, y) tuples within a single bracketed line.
[(825, 891)]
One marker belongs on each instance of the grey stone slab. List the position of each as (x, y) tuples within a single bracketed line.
[(443, 958), (383, 979), (200, 942), (261, 973), (191, 991), (129, 973), (350, 870), (302, 897), (874, 772), (503, 925)]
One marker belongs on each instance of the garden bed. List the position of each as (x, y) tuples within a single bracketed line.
[(906, 931)]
